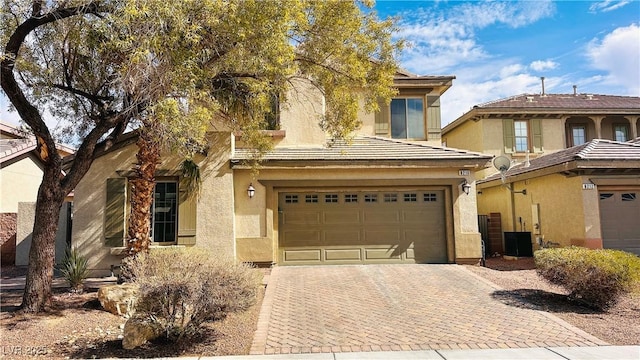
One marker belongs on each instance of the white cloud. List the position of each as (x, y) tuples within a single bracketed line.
[(606, 6), (487, 82), (618, 53), (440, 41), (542, 65)]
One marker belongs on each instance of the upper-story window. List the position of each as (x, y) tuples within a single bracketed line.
[(407, 118), (578, 135), (521, 136), (620, 132), (272, 118)]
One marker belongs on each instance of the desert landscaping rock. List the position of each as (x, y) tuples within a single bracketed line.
[(118, 299), (139, 329)]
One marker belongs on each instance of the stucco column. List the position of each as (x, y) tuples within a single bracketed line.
[(598, 121), (634, 126)]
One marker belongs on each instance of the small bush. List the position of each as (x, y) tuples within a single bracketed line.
[(182, 288), (75, 269), (595, 277)]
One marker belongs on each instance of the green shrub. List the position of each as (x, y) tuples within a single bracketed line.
[(595, 277), (182, 288), (75, 269)]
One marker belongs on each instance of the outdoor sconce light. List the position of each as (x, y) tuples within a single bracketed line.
[(251, 191), (466, 187)]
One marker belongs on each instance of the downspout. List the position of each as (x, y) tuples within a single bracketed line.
[(513, 210)]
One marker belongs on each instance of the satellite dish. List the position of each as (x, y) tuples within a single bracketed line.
[(502, 163)]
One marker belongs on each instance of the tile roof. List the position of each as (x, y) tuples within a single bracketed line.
[(564, 101), (366, 148), (11, 148), (594, 150)]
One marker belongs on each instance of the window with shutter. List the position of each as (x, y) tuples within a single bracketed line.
[(509, 136), (187, 213), (114, 212)]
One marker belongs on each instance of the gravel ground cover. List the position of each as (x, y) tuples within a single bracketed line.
[(523, 287), (76, 327)]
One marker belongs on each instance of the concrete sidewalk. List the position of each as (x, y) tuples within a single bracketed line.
[(17, 283), (550, 353)]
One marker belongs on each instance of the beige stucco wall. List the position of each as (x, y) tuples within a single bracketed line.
[(24, 233), (553, 137), (19, 182), (566, 211), (468, 136), (215, 218), (256, 218), (300, 115)]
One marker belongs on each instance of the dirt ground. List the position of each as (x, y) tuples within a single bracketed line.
[(77, 327), (523, 287)]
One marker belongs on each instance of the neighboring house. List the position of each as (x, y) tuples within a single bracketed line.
[(587, 195), (20, 177), (393, 195), (537, 124), (545, 128)]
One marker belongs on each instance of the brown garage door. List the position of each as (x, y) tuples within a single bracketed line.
[(620, 220), (346, 227)]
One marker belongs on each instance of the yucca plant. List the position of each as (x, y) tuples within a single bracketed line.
[(75, 269)]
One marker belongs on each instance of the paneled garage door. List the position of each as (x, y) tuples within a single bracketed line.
[(347, 227), (620, 220)]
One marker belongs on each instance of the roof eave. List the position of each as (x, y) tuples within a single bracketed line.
[(464, 163)]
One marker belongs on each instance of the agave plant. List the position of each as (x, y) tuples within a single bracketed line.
[(75, 269)]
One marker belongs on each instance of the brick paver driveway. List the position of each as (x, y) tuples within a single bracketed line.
[(397, 307)]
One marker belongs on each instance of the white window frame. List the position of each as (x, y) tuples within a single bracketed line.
[(518, 136)]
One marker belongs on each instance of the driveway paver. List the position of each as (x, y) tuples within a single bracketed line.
[(320, 309)]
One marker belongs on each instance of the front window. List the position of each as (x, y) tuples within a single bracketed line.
[(164, 212), (578, 134), (407, 118), (620, 133), (521, 136)]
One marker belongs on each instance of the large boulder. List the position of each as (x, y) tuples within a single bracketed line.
[(139, 329), (119, 299)]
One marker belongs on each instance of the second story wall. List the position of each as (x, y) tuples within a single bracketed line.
[(413, 114), (300, 116)]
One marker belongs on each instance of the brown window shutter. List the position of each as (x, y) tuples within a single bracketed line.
[(433, 118), (114, 212), (509, 136), (536, 134), (382, 120), (187, 213)]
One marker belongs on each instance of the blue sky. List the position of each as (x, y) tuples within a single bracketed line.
[(498, 49)]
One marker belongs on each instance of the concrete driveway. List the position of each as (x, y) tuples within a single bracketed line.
[(313, 309)]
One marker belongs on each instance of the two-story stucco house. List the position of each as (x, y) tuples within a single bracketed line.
[(393, 195), (20, 177), (574, 176)]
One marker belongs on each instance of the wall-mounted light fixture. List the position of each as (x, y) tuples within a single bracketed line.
[(251, 191), (466, 187)]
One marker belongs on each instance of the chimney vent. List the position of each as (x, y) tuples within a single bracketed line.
[(542, 79), (575, 90)]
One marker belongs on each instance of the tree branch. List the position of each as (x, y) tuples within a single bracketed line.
[(98, 100)]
